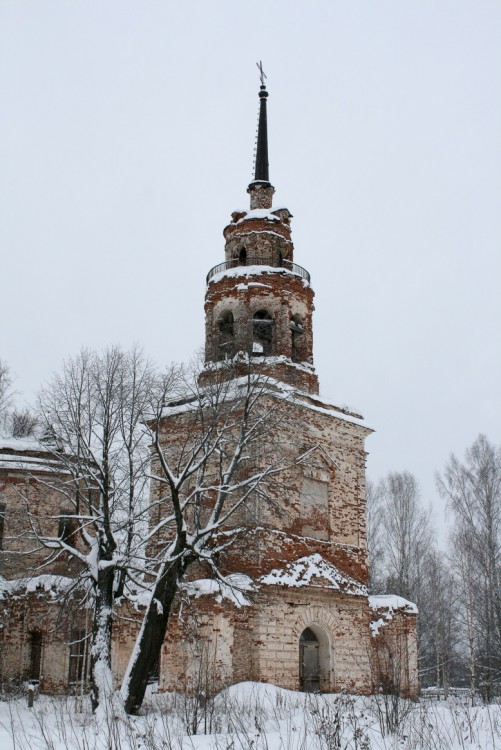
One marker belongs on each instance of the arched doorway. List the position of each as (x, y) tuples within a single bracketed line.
[(309, 661)]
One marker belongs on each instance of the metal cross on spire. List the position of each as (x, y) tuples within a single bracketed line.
[(261, 161), (262, 74)]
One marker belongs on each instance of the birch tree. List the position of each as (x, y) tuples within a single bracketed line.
[(473, 491), (439, 647), (5, 389), (463, 566), (402, 549), (407, 533), (375, 537)]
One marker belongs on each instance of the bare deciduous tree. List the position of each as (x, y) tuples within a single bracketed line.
[(401, 551), (438, 627), (375, 537), (115, 424), (5, 389), (464, 570), (92, 413), (473, 490), (22, 423), (406, 531), (221, 451)]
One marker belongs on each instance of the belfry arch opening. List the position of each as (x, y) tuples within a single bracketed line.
[(314, 660), (242, 257), (262, 333), (297, 339), (226, 334)]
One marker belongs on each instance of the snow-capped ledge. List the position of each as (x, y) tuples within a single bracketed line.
[(314, 571), (249, 271), (386, 606), (231, 589), (52, 585)]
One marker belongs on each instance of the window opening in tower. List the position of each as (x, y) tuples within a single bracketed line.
[(297, 338), (262, 333), (226, 334)]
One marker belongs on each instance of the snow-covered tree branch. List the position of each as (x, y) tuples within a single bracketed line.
[(92, 415), (212, 452)]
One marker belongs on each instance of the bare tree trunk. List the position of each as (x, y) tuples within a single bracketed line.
[(151, 636), (101, 676)]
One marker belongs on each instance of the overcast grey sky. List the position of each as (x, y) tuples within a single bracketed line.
[(126, 138)]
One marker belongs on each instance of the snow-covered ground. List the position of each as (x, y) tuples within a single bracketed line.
[(253, 716)]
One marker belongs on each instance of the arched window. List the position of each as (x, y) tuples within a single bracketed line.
[(280, 258), (262, 333), (226, 334), (242, 257), (297, 339)]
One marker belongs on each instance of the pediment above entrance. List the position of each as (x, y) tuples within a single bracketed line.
[(314, 571)]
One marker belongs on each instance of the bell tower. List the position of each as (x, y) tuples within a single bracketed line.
[(259, 302)]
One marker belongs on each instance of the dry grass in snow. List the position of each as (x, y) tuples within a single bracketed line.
[(252, 716)]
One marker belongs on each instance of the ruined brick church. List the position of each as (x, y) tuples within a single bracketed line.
[(306, 622)]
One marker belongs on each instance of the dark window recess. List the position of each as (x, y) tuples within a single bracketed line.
[(2, 524), (226, 333), (297, 339), (79, 661), (242, 256), (35, 656), (67, 526), (262, 333)]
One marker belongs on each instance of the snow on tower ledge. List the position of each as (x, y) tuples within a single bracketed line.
[(385, 607)]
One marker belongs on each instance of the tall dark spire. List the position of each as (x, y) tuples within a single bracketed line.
[(262, 172), (260, 189)]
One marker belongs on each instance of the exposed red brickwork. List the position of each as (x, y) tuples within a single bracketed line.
[(261, 194), (41, 613), (394, 656), (258, 313)]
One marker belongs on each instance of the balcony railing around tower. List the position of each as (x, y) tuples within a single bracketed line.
[(271, 261)]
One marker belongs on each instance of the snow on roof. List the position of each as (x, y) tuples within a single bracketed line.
[(317, 403), (232, 588), (386, 605), (243, 287), (259, 213), (21, 463), (21, 444), (314, 571), (18, 454), (246, 232), (248, 271), (392, 602), (273, 387), (354, 411), (51, 584), (282, 359)]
